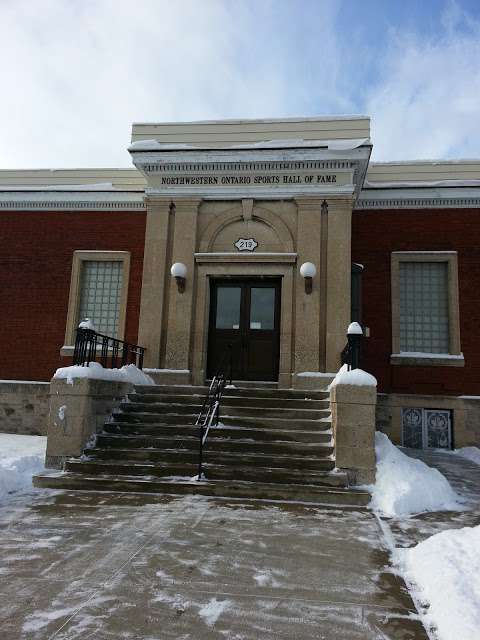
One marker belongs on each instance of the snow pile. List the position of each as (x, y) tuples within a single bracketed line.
[(356, 377), (404, 486), (470, 453), (128, 373), (20, 458), (444, 572)]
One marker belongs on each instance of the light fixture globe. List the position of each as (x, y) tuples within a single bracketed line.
[(308, 270), (178, 270)]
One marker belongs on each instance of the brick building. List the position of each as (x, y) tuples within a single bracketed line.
[(240, 207)]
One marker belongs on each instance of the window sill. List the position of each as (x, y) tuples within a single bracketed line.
[(414, 359)]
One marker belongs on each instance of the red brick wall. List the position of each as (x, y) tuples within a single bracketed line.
[(375, 234), (36, 252)]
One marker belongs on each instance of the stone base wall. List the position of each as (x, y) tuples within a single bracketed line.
[(465, 415), (77, 412), (24, 407), (353, 424)]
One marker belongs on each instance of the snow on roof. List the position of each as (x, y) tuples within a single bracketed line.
[(320, 118), (343, 144)]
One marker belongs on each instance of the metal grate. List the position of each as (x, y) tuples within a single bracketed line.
[(424, 307), (100, 289)]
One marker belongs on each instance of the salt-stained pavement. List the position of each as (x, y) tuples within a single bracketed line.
[(84, 565)]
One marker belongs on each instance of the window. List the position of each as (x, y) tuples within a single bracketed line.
[(425, 318), (424, 307), (98, 290)]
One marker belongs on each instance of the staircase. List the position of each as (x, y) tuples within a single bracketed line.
[(272, 444)]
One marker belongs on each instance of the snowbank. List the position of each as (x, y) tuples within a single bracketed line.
[(444, 573), (356, 377), (470, 453), (20, 458), (128, 373), (404, 485)]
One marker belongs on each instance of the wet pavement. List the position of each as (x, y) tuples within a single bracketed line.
[(109, 566)]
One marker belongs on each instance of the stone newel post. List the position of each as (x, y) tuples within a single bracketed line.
[(353, 398)]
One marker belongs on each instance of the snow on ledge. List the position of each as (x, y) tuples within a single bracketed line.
[(95, 371), (405, 485), (314, 374), (356, 377), (424, 354)]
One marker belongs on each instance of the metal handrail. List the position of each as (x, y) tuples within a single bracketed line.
[(351, 352), (210, 411), (110, 351)]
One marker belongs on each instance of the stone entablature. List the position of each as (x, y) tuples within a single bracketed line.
[(252, 173)]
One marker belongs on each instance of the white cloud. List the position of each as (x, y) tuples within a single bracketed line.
[(75, 75), (427, 102), (79, 73)]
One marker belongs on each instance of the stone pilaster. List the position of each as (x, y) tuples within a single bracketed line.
[(307, 306), (153, 300), (181, 305), (338, 279)]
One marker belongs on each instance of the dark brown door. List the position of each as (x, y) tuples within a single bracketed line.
[(246, 315)]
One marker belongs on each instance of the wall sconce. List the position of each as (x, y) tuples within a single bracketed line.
[(308, 271), (179, 272)]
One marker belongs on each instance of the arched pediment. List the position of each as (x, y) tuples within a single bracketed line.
[(268, 230)]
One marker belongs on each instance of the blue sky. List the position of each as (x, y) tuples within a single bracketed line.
[(80, 72)]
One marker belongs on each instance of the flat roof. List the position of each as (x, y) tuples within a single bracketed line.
[(227, 133)]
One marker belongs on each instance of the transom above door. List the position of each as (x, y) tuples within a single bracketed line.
[(246, 315)]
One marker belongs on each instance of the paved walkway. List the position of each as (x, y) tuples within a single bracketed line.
[(116, 566)]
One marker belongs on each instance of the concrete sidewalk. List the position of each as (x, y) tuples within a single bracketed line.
[(84, 565)]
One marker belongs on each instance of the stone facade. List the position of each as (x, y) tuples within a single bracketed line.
[(24, 407), (77, 412), (465, 415), (353, 424)]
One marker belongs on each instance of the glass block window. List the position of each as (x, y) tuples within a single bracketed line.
[(424, 307), (100, 292)]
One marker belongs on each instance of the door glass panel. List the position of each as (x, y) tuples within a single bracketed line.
[(262, 308), (228, 308), (438, 429), (412, 420)]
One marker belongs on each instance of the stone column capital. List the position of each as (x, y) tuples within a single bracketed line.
[(186, 204), (309, 203)]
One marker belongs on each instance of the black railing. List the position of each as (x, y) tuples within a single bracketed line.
[(210, 413), (351, 353), (91, 346)]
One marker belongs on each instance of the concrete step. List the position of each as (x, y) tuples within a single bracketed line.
[(322, 462), (213, 471), (231, 401), (238, 391), (146, 417), (227, 431), (166, 408), (221, 488), (309, 447)]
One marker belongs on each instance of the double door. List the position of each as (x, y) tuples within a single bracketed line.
[(246, 315)]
